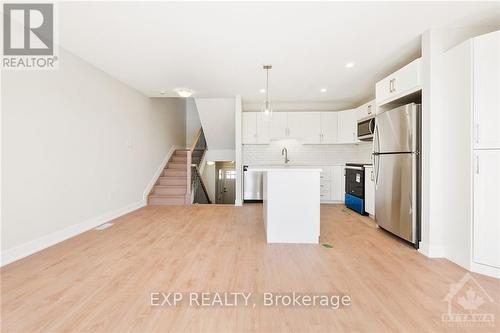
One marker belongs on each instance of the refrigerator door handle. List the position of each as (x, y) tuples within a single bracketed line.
[(376, 167), (376, 139)]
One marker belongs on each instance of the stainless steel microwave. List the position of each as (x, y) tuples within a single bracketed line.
[(366, 128)]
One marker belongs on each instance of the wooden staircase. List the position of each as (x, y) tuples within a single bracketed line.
[(171, 186)]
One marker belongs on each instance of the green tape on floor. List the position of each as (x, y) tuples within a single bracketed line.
[(328, 246)]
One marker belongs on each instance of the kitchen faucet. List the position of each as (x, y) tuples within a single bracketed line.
[(284, 151)]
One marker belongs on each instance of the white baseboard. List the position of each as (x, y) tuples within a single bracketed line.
[(28, 248), (431, 252), (485, 270), (238, 202), (158, 172)]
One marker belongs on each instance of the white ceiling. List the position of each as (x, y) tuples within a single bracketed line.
[(218, 48)]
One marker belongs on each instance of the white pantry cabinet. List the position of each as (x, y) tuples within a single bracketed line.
[(471, 108), (486, 234), (400, 83), (348, 126), (486, 78), (369, 191)]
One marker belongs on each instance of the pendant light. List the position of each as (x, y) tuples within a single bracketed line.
[(267, 108)]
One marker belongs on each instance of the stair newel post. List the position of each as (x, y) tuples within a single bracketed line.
[(188, 177)]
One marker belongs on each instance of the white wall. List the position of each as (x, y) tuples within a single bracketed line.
[(78, 147), (217, 119), (209, 180), (238, 108), (193, 123)]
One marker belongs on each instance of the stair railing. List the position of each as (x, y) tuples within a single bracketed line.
[(196, 191)]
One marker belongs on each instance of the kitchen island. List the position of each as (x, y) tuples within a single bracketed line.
[(291, 202)]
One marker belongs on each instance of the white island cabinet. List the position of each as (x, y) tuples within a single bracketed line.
[(291, 204)]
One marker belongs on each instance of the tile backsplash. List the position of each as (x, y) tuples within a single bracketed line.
[(302, 154)]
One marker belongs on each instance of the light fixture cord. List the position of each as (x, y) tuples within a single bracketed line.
[(267, 85)]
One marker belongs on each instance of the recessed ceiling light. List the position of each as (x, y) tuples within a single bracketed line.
[(210, 162), (163, 92), (323, 90), (349, 65), (184, 92), (262, 90)]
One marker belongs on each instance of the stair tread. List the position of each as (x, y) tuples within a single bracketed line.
[(167, 195), (175, 177), (180, 186)]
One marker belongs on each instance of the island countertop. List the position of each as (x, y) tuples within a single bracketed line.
[(283, 168), (291, 204)]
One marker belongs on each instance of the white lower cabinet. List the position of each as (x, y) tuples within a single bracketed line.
[(486, 224), (338, 190), (331, 183), (369, 191)]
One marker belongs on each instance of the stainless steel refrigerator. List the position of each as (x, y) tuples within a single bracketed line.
[(397, 171)]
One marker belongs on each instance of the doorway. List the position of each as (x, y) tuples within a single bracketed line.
[(226, 182)]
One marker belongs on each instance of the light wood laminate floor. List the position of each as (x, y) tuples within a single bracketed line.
[(101, 281)]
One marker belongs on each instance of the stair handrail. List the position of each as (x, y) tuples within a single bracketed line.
[(197, 176), (199, 144)]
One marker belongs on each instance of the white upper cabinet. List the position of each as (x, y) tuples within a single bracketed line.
[(263, 134), (367, 110), (486, 235), (249, 127), (348, 126), (254, 129), (329, 127), (278, 125), (305, 126), (486, 90), (401, 83)]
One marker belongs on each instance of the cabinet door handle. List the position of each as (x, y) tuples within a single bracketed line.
[(477, 164), (394, 84), (371, 175), (369, 109)]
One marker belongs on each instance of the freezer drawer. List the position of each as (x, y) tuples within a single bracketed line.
[(396, 194), (396, 130)]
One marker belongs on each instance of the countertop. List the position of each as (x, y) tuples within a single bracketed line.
[(283, 168)]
